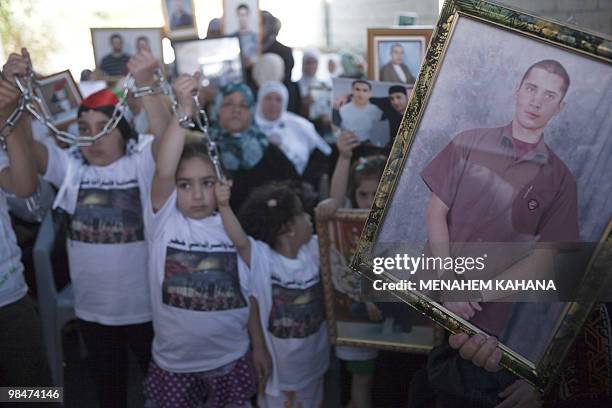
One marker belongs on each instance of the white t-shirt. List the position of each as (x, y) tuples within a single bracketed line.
[(12, 283), (200, 291), (107, 252), (292, 310), (360, 121)]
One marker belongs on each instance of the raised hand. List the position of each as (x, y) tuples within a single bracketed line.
[(16, 65), (142, 66), (223, 193), (185, 87), (347, 141)]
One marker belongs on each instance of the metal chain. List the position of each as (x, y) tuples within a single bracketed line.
[(7, 127), (30, 100)]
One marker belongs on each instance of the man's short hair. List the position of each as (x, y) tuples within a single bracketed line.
[(398, 89), (552, 67), (361, 81), (394, 46), (115, 35), (243, 6)]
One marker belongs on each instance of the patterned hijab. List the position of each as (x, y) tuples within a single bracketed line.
[(243, 150)]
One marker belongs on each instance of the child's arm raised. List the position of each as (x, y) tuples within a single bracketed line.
[(261, 357), (339, 182), (142, 66), (171, 145), (230, 222), (20, 177), (17, 65)]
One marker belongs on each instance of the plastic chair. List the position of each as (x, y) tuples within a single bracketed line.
[(56, 307)]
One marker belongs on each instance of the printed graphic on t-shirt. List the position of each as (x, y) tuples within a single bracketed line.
[(296, 313), (107, 216), (202, 281)]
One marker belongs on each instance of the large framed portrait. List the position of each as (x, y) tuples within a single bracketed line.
[(353, 318), (395, 54), (218, 59), (371, 110), (113, 47), (497, 191), (242, 18), (60, 98), (180, 19)]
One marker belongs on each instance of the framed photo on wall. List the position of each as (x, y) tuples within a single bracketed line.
[(60, 98), (395, 54), (354, 320), (490, 189), (180, 18), (113, 47), (242, 18)]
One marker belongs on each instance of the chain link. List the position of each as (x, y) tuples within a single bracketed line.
[(30, 100)]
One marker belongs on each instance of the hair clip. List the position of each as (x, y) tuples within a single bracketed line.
[(272, 203)]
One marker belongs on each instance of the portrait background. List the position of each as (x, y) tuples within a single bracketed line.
[(183, 31), (218, 59), (380, 131), (230, 16), (100, 38), (474, 88), (47, 84), (413, 53)]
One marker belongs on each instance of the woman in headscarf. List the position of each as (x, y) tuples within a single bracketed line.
[(245, 151), (294, 135)]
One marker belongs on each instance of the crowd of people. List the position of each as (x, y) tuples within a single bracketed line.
[(212, 283)]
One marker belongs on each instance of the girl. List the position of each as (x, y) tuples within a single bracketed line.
[(289, 295), (201, 274), (354, 186), (22, 358), (102, 188)]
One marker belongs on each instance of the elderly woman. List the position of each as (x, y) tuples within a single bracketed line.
[(294, 135), (245, 151)]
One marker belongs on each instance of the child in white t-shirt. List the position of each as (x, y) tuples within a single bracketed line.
[(201, 278), (354, 186), (103, 188), (290, 296), (23, 362)]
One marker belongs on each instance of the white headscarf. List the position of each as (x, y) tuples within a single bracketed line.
[(298, 137), (306, 81)]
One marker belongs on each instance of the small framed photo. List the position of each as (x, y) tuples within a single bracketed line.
[(180, 18), (113, 47), (242, 18), (60, 98), (395, 54), (371, 110), (321, 95), (497, 189), (218, 59), (353, 319)]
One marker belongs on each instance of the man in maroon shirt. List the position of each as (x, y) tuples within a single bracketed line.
[(501, 185)]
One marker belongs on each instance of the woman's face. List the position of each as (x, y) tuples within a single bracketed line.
[(235, 113), (108, 148), (272, 106)]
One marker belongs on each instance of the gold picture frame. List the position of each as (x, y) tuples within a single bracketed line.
[(395, 327), (527, 34), (413, 42)]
